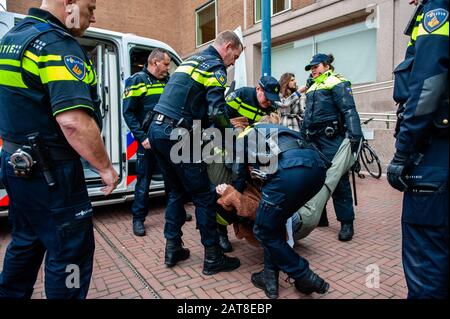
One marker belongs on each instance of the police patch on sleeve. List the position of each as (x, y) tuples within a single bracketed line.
[(126, 92), (76, 67), (230, 97), (349, 90), (434, 19), (221, 77)]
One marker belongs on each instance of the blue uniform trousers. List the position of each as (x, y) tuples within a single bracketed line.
[(342, 195), (145, 167), (425, 224), (182, 178), (55, 222), (286, 191)]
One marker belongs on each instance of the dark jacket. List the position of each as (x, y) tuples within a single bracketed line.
[(43, 71), (142, 92), (196, 90), (421, 81), (243, 102), (328, 100)]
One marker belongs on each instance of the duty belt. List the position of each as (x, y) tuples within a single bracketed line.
[(54, 153), (329, 129), (159, 118)]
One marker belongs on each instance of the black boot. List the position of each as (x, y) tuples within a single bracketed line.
[(267, 280), (216, 261), (346, 232), (138, 228), (175, 252), (224, 242), (310, 283), (323, 222)]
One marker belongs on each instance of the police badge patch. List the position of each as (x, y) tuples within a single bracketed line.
[(126, 92), (76, 67), (349, 90), (434, 19), (221, 77), (230, 97)]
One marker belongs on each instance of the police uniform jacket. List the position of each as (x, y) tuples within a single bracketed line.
[(421, 80), (43, 72), (244, 102), (256, 141), (142, 92), (196, 90), (330, 99)]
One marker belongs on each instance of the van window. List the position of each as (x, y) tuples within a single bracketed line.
[(139, 57)]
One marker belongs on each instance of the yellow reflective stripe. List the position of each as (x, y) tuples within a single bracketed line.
[(235, 105), (443, 30), (42, 58), (74, 107), (136, 92), (253, 114), (328, 84), (419, 17), (205, 72), (221, 220), (133, 87), (59, 73), (11, 78), (30, 66), (185, 69), (42, 20), (204, 80), (10, 62), (156, 85), (246, 110), (414, 34), (245, 132), (155, 91)]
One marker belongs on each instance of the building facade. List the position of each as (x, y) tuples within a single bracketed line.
[(365, 36)]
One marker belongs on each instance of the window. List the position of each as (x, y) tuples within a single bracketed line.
[(353, 47), (139, 57), (276, 6), (206, 23)]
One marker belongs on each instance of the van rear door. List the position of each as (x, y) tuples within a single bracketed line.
[(105, 59), (7, 21)]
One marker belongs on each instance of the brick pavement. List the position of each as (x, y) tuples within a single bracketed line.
[(132, 267)]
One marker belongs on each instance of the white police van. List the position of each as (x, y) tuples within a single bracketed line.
[(116, 56)]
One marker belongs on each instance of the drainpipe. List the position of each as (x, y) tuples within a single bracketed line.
[(266, 44)]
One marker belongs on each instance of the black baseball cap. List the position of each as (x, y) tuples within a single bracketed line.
[(316, 59), (271, 88)]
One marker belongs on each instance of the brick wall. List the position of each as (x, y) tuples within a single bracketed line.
[(298, 4), (157, 21), (171, 21)]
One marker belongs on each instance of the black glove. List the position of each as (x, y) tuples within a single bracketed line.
[(396, 171), (354, 144)]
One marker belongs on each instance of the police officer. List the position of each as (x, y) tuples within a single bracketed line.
[(420, 164), (254, 103), (251, 103), (48, 104), (293, 175), (330, 114), (142, 92), (195, 91)]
